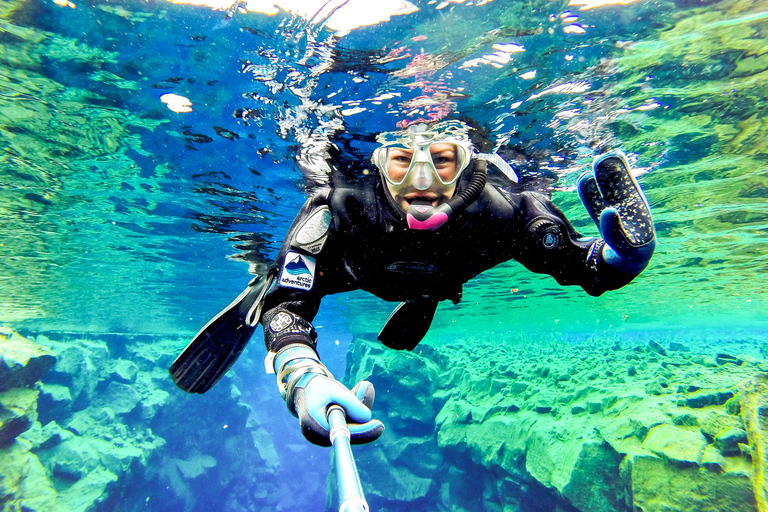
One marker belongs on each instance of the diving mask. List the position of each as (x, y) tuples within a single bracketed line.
[(423, 157)]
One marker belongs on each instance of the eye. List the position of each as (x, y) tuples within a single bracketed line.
[(443, 159)]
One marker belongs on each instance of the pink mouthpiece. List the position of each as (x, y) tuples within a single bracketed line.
[(431, 224)]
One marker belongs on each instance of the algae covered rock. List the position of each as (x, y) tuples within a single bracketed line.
[(657, 485), (18, 410), (754, 412), (580, 444), (676, 445), (22, 362), (24, 483)]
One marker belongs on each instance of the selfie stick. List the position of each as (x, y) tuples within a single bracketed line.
[(348, 481)]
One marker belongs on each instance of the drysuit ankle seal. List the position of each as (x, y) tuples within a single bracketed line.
[(422, 215)]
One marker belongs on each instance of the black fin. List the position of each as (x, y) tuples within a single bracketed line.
[(408, 324), (214, 349)]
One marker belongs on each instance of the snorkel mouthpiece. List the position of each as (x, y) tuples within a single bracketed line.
[(423, 216)]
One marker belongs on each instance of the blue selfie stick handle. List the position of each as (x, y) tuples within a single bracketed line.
[(348, 481)]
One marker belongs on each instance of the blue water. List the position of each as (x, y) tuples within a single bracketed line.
[(123, 217)]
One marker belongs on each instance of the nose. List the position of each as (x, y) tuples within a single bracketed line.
[(422, 178)]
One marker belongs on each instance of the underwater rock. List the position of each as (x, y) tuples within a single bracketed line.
[(78, 367), (124, 371), (87, 492), (18, 410), (713, 460), (591, 484), (153, 401), (24, 484), (722, 359), (121, 398), (675, 444), (22, 362), (714, 422), (656, 485), (263, 443), (37, 490), (656, 347), (55, 400), (195, 466), (729, 441), (52, 435), (644, 420), (706, 398), (754, 412), (614, 447), (544, 402), (105, 421)]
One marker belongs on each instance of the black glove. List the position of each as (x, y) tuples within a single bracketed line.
[(616, 203)]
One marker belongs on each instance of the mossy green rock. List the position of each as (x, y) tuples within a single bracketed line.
[(18, 410), (581, 444), (22, 362), (659, 486), (24, 484), (675, 444)]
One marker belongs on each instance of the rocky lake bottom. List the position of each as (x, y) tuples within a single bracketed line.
[(642, 423)]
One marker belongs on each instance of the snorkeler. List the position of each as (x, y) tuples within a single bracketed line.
[(431, 223)]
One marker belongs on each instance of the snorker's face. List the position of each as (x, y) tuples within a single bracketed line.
[(426, 174), (421, 164)]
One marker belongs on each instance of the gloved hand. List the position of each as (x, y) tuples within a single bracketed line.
[(616, 203), (309, 390), (313, 395)]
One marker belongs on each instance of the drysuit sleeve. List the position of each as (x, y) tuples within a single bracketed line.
[(305, 271), (550, 245)]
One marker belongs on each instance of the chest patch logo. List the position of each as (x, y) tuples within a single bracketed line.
[(298, 271), (412, 267)]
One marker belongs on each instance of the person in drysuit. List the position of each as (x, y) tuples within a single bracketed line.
[(431, 223)]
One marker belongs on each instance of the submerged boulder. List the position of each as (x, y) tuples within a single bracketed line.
[(24, 483), (591, 442), (22, 362), (18, 410)]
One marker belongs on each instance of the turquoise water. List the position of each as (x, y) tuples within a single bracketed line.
[(124, 213)]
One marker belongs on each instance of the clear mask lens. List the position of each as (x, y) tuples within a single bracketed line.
[(424, 165), (424, 157)]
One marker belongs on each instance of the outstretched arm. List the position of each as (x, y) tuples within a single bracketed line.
[(303, 269), (615, 201)]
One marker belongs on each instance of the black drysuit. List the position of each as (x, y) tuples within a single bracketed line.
[(370, 247)]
